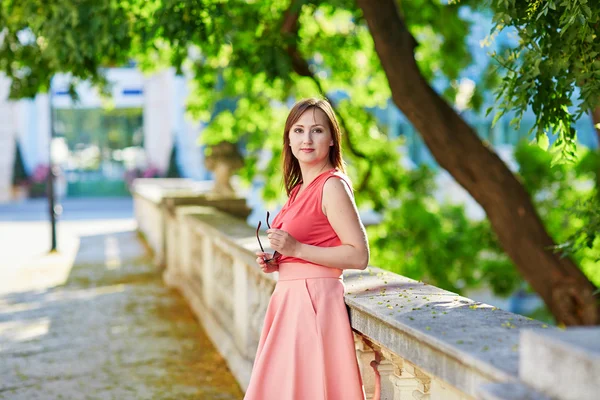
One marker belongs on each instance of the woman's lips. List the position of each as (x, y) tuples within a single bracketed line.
[(307, 150)]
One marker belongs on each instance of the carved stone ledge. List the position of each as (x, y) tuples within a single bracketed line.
[(430, 343)]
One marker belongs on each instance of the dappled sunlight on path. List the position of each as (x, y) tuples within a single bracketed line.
[(109, 330)]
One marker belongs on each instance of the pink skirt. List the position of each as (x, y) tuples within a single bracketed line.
[(306, 349)]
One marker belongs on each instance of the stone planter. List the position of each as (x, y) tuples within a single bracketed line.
[(223, 159)]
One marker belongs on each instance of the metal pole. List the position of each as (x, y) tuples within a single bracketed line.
[(51, 176)]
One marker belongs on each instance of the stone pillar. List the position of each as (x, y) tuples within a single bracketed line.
[(184, 267), (563, 365), (240, 304), (190, 155), (41, 116), (27, 134), (412, 383), (7, 141), (365, 355), (387, 371), (159, 119), (208, 279)]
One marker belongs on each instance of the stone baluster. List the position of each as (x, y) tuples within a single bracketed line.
[(178, 260), (240, 304), (387, 369), (365, 355), (196, 260), (208, 278), (412, 383), (184, 265)]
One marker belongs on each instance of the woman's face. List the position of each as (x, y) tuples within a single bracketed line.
[(310, 137)]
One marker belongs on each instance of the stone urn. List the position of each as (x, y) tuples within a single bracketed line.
[(223, 160)]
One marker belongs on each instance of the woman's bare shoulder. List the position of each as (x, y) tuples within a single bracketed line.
[(337, 194), (338, 184)]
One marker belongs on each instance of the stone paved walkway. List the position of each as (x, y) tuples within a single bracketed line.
[(112, 330)]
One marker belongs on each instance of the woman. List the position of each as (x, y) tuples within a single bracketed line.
[(306, 350)]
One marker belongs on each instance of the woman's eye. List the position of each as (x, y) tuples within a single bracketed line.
[(298, 130), (317, 131)]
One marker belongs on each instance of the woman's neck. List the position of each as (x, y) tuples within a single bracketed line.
[(310, 172)]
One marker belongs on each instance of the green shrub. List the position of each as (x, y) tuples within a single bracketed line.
[(424, 239), (19, 176)]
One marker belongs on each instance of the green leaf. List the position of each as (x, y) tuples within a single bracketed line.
[(496, 118), (543, 141), (587, 10)]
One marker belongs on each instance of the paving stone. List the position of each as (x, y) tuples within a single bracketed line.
[(111, 330)]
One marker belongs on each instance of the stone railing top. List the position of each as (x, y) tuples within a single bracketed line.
[(577, 353), (509, 391), (481, 336), (156, 189), (553, 364)]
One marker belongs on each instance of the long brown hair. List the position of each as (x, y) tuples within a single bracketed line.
[(292, 175)]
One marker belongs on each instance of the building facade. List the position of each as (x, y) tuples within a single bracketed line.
[(99, 143)]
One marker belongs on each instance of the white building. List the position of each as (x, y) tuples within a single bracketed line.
[(156, 100)]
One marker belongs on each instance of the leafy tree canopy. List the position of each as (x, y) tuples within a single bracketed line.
[(258, 54), (248, 59), (556, 59)]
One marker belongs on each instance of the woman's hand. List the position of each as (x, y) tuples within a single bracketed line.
[(283, 242), (267, 267)]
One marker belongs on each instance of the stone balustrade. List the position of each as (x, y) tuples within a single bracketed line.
[(155, 199), (429, 343)]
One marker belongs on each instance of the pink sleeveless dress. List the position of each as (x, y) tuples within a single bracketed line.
[(306, 350)]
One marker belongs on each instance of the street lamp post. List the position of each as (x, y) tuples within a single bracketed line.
[(51, 177)]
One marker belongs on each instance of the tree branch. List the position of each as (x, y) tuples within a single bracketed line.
[(456, 147)]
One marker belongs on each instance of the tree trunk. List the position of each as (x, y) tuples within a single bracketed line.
[(457, 148)]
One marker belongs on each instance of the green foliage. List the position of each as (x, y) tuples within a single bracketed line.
[(173, 170), (239, 52), (441, 50), (566, 198), (556, 58), (41, 38), (435, 242), (585, 240), (253, 66), (19, 175)]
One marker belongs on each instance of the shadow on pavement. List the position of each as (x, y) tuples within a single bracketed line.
[(112, 330)]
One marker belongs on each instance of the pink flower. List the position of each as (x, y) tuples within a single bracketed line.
[(151, 172), (40, 173)]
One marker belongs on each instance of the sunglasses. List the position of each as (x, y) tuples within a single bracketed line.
[(276, 254)]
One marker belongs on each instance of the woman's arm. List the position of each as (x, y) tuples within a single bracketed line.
[(339, 207)]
